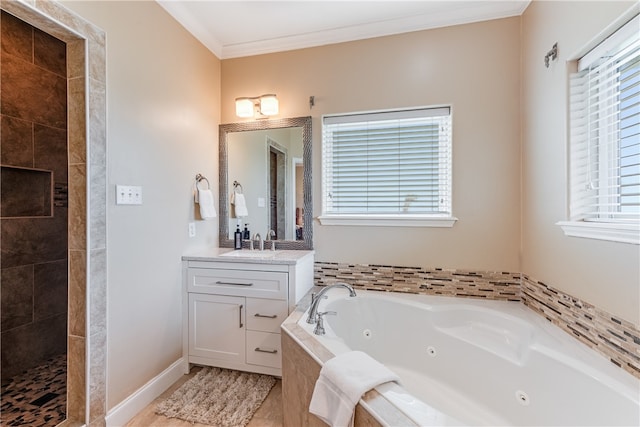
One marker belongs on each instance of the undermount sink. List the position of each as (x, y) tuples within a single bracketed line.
[(245, 253)]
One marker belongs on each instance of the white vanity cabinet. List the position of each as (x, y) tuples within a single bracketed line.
[(234, 304)]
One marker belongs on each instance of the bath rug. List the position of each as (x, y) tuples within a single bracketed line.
[(218, 397)]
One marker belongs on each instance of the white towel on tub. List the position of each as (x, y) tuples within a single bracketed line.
[(342, 381)]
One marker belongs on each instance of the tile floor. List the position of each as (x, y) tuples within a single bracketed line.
[(268, 415), (36, 397)]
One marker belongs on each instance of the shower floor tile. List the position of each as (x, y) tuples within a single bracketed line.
[(37, 397)]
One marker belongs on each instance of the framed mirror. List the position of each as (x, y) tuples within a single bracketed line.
[(269, 163)]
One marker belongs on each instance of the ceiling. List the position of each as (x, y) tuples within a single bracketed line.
[(235, 28)]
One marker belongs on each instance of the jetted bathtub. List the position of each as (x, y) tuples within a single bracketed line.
[(477, 362)]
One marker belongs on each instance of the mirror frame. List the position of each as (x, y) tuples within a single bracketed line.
[(224, 130)]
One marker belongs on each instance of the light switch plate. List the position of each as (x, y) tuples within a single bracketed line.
[(261, 202), (128, 195)]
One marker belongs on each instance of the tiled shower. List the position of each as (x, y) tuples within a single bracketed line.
[(33, 220)]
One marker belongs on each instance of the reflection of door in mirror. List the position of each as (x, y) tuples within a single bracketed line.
[(298, 180), (277, 189), (261, 161)]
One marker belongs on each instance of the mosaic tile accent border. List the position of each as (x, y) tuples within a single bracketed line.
[(616, 339), (416, 280)]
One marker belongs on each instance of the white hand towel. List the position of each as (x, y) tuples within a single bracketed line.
[(342, 382), (205, 200), (237, 199)]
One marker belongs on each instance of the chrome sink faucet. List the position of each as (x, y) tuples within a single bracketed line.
[(315, 301), (260, 241), (271, 234)]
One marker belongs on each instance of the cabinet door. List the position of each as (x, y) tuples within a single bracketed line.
[(217, 327)]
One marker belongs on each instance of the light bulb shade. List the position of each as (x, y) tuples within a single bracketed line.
[(244, 107), (268, 105)]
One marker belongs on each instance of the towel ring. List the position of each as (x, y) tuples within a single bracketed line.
[(200, 178), (236, 184), (196, 190)]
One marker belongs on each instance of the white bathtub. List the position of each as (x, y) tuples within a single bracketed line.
[(477, 362)]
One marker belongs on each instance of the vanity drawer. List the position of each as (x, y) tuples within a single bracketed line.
[(266, 314), (263, 348), (262, 284)]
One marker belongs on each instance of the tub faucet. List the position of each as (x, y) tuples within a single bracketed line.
[(315, 302), (319, 329)]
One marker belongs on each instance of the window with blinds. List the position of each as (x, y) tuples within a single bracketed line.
[(388, 164), (605, 131)]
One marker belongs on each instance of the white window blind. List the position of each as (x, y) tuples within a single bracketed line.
[(605, 131), (390, 163)]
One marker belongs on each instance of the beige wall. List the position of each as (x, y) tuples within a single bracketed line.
[(603, 273), (163, 113), (474, 68)]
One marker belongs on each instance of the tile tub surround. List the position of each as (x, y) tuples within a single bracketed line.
[(616, 339), (299, 373)]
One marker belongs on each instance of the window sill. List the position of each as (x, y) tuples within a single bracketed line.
[(624, 233), (387, 221)]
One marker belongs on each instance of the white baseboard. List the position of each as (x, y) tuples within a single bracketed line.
[(124, 411)]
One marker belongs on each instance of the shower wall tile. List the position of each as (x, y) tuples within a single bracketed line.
[(16, 37), (76, 378), (77, 121), (28, 345), (98, 293), (77, 207), (49, 53), (75, 58), (16, 296), (77, 292), (33, 101), (98, 127), (50, 289), (98, 207), (17, 99), (50, 150), (97, 377), (16, 146), (97, 56), (33, 240)]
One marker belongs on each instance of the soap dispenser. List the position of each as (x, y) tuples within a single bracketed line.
[(237, 238), (247, 233)]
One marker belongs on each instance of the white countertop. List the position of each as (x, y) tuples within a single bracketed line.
[(248, 256)]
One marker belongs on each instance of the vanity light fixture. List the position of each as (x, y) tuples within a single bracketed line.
[(266, 105)]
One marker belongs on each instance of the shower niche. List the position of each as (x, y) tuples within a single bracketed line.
[(25, 192)]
